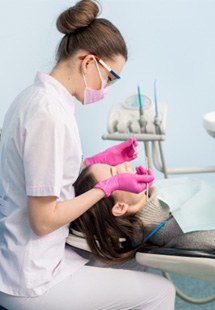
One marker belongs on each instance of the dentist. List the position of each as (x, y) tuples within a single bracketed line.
[(40, 159)]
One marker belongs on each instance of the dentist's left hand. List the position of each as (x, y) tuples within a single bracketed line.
[(134, 183), (142, 171), (115, 155)]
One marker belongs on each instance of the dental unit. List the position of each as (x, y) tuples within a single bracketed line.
[(140, 117)]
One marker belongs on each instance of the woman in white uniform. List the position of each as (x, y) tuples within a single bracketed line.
[(40, 159)]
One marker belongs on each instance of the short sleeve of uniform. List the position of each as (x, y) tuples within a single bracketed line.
[(43, 155)]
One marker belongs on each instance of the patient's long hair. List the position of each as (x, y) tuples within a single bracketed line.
[(110, 238)]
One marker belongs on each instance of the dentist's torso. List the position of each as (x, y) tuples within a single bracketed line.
[(40, 154)]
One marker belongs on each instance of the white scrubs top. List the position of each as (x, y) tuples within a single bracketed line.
[(40, 155)]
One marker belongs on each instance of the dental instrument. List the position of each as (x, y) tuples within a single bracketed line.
[(140, 100), (147, 169), (142, 119), (155, 99), (143, 124)]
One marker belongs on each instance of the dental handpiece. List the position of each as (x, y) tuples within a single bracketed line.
[(142, 120)]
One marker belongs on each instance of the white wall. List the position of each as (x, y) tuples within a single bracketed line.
[(170, 40)]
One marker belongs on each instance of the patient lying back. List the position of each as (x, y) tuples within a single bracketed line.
[(117, 226)]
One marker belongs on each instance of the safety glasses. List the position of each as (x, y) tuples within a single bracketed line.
[(112, 77)]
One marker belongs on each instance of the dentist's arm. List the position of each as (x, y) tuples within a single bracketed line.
[(47, 215)]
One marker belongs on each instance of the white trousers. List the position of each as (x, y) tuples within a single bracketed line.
[(101, 288)]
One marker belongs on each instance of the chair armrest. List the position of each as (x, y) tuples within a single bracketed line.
[(197, 264), (178, 252)]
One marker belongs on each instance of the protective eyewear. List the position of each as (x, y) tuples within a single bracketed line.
[(112, 77)]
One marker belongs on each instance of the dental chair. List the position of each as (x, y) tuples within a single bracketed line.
[(147, 123), (197, 264)]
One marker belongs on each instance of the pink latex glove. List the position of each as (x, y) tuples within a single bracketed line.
[(115, 155), (142, 171), (134, 183)]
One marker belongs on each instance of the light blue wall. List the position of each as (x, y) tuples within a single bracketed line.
[(170, 40)]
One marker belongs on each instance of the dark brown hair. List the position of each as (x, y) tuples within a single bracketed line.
[(102, 230), (83, 30)]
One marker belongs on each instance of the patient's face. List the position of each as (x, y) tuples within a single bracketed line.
[(103, 171)]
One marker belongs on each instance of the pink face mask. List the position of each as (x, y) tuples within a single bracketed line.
[(93, 95)]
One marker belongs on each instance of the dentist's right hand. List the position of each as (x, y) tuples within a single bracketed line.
[(134, 183)]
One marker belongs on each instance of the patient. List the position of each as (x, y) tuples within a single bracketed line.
[(117, 226)]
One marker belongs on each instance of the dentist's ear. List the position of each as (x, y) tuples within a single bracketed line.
[(88, 60), (119, 209)]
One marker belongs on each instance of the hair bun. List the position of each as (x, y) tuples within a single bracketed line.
[(78, 16)]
